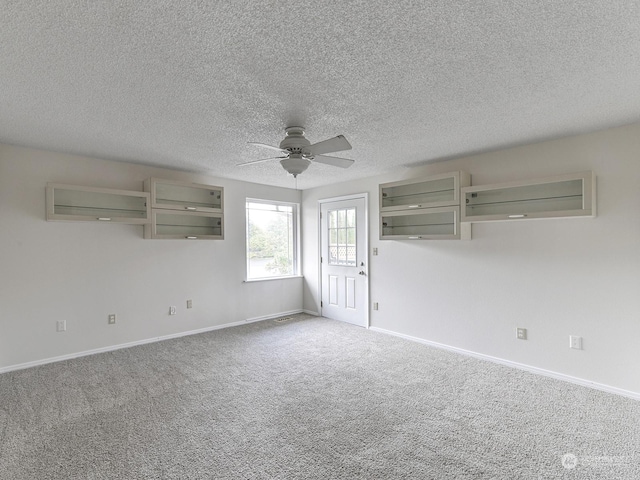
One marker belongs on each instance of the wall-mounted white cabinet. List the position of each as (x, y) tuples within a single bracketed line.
[(425, 208), (185, 225), (572, 195), (185, 196), (185, 210), (424, 224), (78, 203), (434, 191)]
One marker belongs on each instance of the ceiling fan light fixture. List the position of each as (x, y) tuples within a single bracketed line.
[(295, 164)]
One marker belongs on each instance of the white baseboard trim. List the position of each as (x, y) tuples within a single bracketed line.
[(311, 312), (111, 348), (520, 366)]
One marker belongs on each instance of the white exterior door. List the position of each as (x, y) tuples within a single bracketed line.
[(344, 247)]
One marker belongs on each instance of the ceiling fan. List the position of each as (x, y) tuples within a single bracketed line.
[(297, 153)]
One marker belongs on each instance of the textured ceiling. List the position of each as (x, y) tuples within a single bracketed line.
[(186, 85)]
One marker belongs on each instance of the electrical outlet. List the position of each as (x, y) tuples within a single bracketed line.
[(521, 333), (61, 326), (172, 310), (189, 303), (375, 305), (375, 251), (112, 318), (575, 342)]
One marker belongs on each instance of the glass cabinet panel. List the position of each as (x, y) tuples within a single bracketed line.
[(417, 195), (563, 196), (70, 202), (186, 225), (434, 191), (428, 223), (176, 195)]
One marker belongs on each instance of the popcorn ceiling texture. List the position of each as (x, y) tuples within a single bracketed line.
[(185, 85)]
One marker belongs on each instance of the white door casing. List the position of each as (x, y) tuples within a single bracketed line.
[(344, 259)]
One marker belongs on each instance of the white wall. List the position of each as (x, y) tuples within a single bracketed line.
[(578, 276), (82, 271)]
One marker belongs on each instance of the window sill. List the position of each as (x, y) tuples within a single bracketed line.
[(266, 279)]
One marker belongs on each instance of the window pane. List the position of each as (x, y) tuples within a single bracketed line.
[(333, 219), (351, 236), (342, 218), (351, 217)]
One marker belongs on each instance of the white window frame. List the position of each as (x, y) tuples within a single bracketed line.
[(296, 238)]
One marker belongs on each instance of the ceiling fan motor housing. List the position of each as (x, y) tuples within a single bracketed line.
[(295, 141)]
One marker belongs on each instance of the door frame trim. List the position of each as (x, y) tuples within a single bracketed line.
[(365, 196)]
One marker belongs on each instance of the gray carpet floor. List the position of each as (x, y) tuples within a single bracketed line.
[(307, 398)]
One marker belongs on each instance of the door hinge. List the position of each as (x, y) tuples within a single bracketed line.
[(320, 259), (321, 304)]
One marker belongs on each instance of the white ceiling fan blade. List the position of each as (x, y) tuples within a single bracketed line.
[(335, 144), (335, 161), (269, 146), (252, 162)]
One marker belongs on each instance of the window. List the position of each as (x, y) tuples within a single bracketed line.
[(272, 239), (342, 237)]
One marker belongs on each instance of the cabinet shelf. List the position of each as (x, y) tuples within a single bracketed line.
[(416, 200), (561, 196), (82, 209), (184, 203), (79, 203)]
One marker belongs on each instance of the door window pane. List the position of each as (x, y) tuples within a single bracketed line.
[(342, 237)]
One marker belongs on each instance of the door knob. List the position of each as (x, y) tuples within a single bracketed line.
[(361, 272)]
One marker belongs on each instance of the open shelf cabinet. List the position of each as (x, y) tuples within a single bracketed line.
[(424, 224), (433, 191), (185, 210), (426, 208), (79, 203), (170, 224), (572, 195), (185, 196)]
